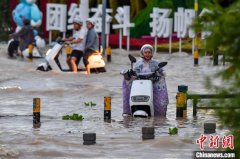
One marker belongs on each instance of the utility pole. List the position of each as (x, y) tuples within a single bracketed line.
[(103, 37), (195, 55)]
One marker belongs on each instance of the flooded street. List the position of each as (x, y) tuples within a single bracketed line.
[(65, 93)]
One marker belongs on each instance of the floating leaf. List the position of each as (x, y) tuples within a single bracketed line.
[(173, 131), (65, 117), (73, 117), (86, 103), (93, 104)]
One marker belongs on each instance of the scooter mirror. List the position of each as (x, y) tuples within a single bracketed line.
[(162, 64), (132, 58), (123, 72)]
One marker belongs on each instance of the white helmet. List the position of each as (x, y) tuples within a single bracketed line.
[(146, 46), (78, 21), (91, 20)]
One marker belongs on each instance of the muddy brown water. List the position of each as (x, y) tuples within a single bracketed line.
[(65, 93)]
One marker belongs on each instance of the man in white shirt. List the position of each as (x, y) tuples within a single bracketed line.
[(77, 42)]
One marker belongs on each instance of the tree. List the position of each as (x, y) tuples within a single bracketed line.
[(5, 27), (225, 34)]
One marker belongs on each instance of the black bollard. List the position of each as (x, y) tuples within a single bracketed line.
[(195, 56), (36, 113), (30, 52), (224, 59), (107, 108), (108, 52), (148, 133), (209, 128), (215, 58), (89, 138), (181, 101)]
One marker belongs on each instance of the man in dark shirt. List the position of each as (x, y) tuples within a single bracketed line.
[(91, 45), (25, 36)]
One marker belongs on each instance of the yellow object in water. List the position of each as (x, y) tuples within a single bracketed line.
[(68, 50), (181, 99), (36, 105), (107, 103), (108, 50)]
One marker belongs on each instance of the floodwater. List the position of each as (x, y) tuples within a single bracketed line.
[(65, 93)]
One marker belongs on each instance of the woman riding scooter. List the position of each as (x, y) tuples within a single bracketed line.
[(160, 95)]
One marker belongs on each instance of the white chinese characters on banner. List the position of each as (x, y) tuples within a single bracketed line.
[(73, 12), (97, 17), (161, 25), (182, 21), (56, 18), (80, 12), (123, 19)]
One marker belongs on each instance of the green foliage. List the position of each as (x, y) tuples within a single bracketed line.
[(190, 4), (73, 117), (179, 3), (143, 19), (205, 4), (173, 131), (91, 104), (226, 34), (5, 28)]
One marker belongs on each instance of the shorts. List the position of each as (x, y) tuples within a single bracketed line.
[(87, 54), (77, 54)]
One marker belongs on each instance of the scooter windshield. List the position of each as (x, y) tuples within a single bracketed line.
[(147, 75)]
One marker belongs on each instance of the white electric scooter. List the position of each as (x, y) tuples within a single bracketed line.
[(96, 61), (141, 95), (35, 52), (39, 43)]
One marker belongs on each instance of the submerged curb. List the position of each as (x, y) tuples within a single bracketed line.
[(148, 130), (148, 136), (89, 138), (209, 128), (148, 133)]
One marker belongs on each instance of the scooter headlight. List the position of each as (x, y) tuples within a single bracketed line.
[(140, 98)]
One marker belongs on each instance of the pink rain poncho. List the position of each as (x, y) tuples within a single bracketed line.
[(160, 94)]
